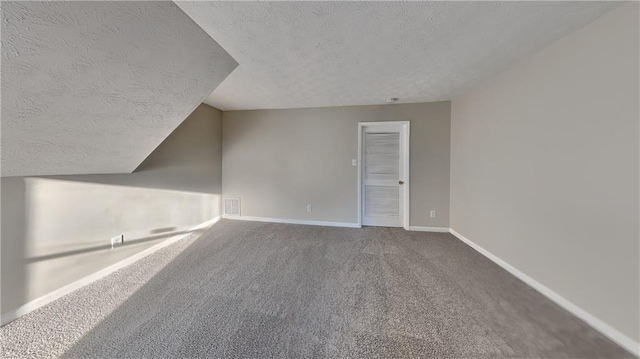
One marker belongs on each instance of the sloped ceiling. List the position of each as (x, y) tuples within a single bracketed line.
[(95, 87), (308, 54)]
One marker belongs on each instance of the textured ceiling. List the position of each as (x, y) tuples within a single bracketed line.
[(307, 54), (94, 87)]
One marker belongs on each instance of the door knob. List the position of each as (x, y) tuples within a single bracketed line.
[(400, 182)]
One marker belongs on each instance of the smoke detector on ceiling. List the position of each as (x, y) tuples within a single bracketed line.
[(392, 99)]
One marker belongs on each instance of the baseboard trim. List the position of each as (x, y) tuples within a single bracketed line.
[(292, 221), (616, 336), (326, 224), (428, 229), (58, 293)]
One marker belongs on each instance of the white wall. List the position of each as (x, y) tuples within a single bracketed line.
[(544, 168), (54, 229), (278, 161)]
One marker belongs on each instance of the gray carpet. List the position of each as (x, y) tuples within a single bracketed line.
[(261, 290)]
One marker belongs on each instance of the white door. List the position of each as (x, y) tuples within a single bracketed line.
[(384, 174)]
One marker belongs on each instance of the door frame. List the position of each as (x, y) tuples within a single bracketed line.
[(405, 131)]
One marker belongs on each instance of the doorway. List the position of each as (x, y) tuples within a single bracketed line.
[(383, 174)]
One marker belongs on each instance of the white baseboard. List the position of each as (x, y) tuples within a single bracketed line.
[(616, 336), (293, 221), (58, 293), (327, 224), (428, 229)]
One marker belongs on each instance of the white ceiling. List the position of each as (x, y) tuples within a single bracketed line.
[(308, 54), (95, 87)]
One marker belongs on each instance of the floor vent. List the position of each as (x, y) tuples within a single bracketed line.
[(232, 206)]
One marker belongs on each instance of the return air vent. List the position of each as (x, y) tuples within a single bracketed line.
[(232, 206)]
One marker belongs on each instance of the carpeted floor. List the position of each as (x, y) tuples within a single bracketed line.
[(261, 290)]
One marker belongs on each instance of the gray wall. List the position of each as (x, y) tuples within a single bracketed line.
[(54, 228), (278, 161), (544, 168)]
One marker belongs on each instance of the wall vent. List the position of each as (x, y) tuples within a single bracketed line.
[(232, 206)]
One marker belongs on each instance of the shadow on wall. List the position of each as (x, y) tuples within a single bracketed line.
[(55, 232), (58, 229)]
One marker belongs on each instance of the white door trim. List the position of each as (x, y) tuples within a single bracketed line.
[(405, 132)]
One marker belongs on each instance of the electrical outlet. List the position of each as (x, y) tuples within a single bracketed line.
[(354, 162), (432, 214), (117, 241), (309, 208)]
